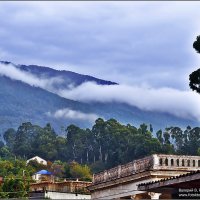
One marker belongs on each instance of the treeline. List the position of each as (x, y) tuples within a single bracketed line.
[(106, 144)]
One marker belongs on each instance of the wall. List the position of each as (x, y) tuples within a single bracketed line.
[(127, 189), (59, 195)]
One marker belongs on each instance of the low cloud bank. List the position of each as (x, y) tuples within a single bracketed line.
[(73, 114), (16, 74), (185, 104)]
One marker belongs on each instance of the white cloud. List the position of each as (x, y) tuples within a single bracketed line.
[(185, 104), (73, 114), (16, 74)]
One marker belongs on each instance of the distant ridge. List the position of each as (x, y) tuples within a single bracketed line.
[(69, 76), (20, 102)]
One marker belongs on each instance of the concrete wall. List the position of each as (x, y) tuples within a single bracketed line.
[(59, 195), (116, 192)]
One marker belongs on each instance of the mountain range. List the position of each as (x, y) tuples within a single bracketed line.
[(22, 102)]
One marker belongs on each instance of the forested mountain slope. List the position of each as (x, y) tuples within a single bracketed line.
[(20, 102)]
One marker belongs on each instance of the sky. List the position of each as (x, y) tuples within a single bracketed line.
[(126, 42), (139, 45)]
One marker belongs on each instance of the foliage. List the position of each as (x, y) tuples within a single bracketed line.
[(16, 177), (196, 44), (80, 171), (15, 167), (14, 188), (195, 75), (106, 144)]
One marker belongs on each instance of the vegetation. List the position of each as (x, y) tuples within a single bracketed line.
[(106, 144), (195, 76), (79, 152), (16, 178)]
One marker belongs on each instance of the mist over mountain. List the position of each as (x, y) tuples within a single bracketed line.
[(36, 99)]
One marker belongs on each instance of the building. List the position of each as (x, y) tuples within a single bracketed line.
[(186, 186), (38, 159), (122, 181), (61, 190), (43, 175)]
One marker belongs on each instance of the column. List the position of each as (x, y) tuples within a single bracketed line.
[(119, 171), (169, 161), (154, 195), (196, 163), (105, 175)]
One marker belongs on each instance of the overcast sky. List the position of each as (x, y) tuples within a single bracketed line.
[(136, 43)]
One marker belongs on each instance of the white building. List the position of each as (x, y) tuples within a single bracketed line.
[(38, 159), (63, 195), (122, 181), (43, 175)]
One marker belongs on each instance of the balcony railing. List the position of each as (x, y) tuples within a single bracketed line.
[(153, 162), (124, 170)]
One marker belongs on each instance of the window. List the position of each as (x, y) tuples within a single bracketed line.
[(183, 163), (160, 161), (177, 162), (193, 163), (172, 162), (166, 162), (188, 163)]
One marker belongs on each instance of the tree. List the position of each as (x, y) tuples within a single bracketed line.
[(44, 143), (193, 141), (58, 169), (9, 137), (177, 134), (196, 44), (159, 136), (195, 76), (14, 188), (5, 152), (75, 142), (80, 171), (23, 138)]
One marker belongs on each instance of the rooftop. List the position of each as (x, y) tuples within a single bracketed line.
[(44, 172), (151, 163), (189, 180)]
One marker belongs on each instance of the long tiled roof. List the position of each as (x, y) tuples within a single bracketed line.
[(171, 178)]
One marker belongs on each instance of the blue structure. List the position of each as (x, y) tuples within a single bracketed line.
[(44, 172)]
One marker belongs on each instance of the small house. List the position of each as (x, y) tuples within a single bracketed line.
[(43, 175), (38, 159)]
